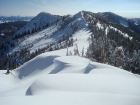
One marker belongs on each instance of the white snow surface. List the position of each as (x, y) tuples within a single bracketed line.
[(54, 32), (55, 79)]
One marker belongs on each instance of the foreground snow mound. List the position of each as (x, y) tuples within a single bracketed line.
[(36, 65), (52, 78)]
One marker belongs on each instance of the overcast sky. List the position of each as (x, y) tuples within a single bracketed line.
[(126, 8)]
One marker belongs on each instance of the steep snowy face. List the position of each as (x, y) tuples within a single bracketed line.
[(39, 22), (80, 20)]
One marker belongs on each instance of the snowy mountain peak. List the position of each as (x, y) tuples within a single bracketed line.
[(108, 13), (42, 14), (79, 14), (79, 20), (111, 16), (119, 21), (39, 22)]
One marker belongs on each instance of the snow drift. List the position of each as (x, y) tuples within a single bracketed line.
[(53, 78)]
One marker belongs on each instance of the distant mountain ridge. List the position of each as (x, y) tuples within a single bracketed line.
[(44, 19), (9, 28), (119, 20), (5, 19)]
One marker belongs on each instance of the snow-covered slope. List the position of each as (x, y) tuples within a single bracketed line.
[(61, 26), (114, 18), (41, 20), (119, 20), (136, 20), (76, 26), (53, 78), (68, 27)]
